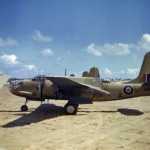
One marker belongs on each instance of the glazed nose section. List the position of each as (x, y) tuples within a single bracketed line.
[(15, 84)]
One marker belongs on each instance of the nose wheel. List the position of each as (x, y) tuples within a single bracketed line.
[(24, 108)]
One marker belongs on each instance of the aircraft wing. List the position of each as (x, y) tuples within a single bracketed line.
[(97, 90), (3, 79), (67, 82), (146, 83)]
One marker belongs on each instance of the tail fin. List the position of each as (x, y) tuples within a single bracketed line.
[(94, 72), (144, 75)]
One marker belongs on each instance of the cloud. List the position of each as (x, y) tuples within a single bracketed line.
[(95, 50), (117, 49), (132, 71), (30, 67), (144, 42), (10, 64), (127, 73), (38, 36), (47, 52), (9, 59), (28, 70), (107, 72), (122, 72), (10, 42)]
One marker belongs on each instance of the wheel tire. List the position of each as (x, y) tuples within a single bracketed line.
[(70, 109), (24, 108)]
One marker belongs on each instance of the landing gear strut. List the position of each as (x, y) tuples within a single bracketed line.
[(71, 109)]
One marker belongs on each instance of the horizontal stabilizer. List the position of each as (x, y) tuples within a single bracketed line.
[(3, 79)]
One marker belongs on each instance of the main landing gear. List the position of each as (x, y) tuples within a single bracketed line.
[(24, 107), (71, 109)]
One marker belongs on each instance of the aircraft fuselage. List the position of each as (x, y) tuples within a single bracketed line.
[(33, 90), (122, 90)]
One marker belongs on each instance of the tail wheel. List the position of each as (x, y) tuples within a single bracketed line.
[(24, 108), (70, 109)]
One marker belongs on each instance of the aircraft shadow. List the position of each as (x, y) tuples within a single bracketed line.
[(49, 111), (124, 111), (130, 112), (10, 111), (43, 112)]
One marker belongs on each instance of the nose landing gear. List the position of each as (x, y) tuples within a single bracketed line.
[(24, 108)]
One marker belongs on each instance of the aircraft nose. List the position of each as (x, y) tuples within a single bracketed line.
[(15, 84)]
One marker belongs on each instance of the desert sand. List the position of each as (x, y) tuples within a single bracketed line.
[(115, 125)]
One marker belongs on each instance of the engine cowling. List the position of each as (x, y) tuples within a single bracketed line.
[(49, 89)]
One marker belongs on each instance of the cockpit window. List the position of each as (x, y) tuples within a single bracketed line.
[(15, 84), (20, 83), (34, 79)]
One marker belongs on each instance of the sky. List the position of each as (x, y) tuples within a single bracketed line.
[(48, 36)]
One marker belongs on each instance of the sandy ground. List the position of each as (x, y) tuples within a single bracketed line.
[(113, 125)]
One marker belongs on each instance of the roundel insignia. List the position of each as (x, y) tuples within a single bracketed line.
[(128, 89)]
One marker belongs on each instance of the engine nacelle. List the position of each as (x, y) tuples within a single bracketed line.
[(49, 89)]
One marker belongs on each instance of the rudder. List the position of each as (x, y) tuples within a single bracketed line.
[(144, 75)]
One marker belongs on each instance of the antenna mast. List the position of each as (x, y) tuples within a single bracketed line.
[(65, 72)]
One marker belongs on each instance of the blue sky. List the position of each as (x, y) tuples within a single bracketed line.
[(49, 36)]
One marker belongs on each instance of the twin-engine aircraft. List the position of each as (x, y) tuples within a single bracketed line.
[(83, 90)]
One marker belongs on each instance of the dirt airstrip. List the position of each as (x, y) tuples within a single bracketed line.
[(117, 125)]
